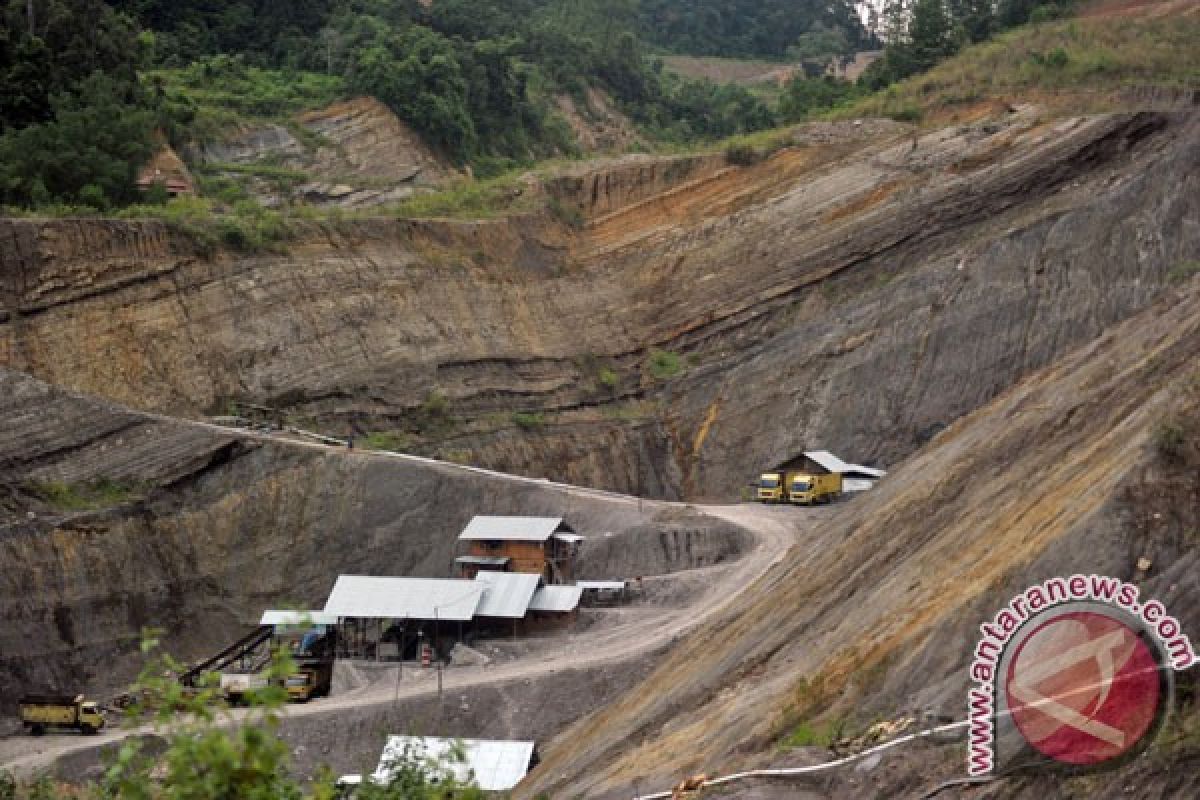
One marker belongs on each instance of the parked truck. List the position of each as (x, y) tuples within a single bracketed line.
[(311, 679), (772, 487), (808, 489), (42, 711)]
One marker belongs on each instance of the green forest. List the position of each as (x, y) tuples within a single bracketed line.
[(86, 86)]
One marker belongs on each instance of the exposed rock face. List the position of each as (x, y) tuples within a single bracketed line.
[(357, 153), (856, 296), (877, 616), (204, 528)]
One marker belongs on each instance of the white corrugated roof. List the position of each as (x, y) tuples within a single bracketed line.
[(834, 464), (297, 618), (372, 597), (571, 538), (507, 594), (556, 598), (520, 529), (493, 765), (611, 586)]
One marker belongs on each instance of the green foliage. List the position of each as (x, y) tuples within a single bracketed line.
[(246, 227), (808, 733), (529, 420), (1170, 439), (608, 378), (88, 152), (394, 441), (1183, 271), (469, 199), (664, 364), (749, 28), (90, 496), (803, 96)]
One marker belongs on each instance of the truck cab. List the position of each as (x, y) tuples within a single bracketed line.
[(770, 487), (808, 489)]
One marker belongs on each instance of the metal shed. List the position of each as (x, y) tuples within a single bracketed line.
[(556, 599), (493, 765), (371, 597), (513, 529)]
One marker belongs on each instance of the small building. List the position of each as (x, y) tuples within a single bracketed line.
[(491, 764), (545, 546), (603, 593), (166, 169)]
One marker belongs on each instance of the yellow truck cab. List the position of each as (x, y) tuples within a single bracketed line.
[(771, 488), (806, 489)]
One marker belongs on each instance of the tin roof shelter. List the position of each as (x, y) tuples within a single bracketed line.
[(557, 599), (507, 594), (831, 463), (371, 597), (493, 765), (297, 618), (513, 529)]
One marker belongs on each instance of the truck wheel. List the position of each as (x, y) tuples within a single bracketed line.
[(87, 730), (37, 729)]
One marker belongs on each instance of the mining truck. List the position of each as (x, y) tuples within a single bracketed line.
[(42, 711), (806, 489), (312, 678), (772, 487)]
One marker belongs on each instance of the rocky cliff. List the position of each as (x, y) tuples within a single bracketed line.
[(858, 293)]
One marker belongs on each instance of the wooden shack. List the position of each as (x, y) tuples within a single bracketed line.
[(545, 546)]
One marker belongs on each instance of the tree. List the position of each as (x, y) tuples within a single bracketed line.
[(88, 152), (930, 34)]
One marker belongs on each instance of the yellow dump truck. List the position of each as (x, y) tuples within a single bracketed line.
[(772, 487), (42, 711), (807, 489), (311, 679)]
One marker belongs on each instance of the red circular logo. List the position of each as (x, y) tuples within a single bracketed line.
[(1083, 688)]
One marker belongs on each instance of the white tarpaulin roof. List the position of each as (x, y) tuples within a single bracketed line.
[(495, 766), (370, 597), (834, 464), (507, 593), (556, 598), (607, 586), (297, 618), (519, 529)]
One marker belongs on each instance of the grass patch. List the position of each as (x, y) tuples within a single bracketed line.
[(485, 199), (529, 420), (246, 227), (664, 364), (752, 148), (809, 733), (608, 378), (392, 441), (97, 494), (631, 412), (1183, 271), (1077, 54)]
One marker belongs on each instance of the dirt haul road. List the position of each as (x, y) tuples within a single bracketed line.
[(775, 530)]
